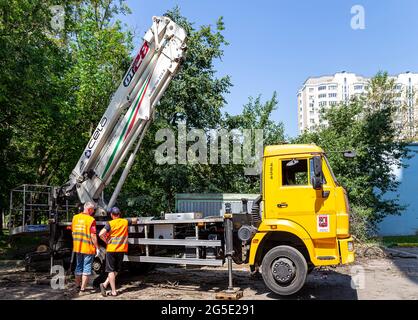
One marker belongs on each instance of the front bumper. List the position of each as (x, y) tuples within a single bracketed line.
[(346, 250)]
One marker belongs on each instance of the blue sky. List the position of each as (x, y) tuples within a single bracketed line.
[(276, 45)]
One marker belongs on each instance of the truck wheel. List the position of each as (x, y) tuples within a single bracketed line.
[(284, 270), (98, 266), (98, 269)]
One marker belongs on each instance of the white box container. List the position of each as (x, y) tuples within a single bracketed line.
[(163, 231), (183, 216)]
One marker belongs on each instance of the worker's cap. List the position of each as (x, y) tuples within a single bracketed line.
[(114, 210)]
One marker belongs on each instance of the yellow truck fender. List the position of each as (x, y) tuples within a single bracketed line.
[(278, 225)]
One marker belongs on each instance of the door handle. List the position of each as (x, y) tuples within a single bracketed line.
[(282, 205)]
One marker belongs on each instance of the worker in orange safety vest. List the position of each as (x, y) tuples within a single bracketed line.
[(115, 234), (85, 244)]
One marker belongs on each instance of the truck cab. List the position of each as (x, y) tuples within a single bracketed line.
[(305, 217)]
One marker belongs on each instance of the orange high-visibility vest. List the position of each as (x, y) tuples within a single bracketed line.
[(118, 236), (80, 227)]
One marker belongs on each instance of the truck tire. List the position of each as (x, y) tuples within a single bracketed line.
[(98, 270), (284, 270)]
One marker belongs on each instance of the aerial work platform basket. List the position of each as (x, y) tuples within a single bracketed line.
[(30, 208)]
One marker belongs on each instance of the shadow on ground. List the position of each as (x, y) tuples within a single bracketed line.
[(21, 285), (406, 261), (320, 284), (180, 283)]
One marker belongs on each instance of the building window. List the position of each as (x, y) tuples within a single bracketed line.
[(311, 89), (311, 97), (332, 95), (322, 95), (333, 87), (358, 87), (333, 103), (398, 86), (322, 103), (320, 88)]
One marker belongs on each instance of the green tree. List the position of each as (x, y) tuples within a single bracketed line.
[(55, 84), (100, 53), (255, 115), (195, 97), (367, 125), (31, 64)]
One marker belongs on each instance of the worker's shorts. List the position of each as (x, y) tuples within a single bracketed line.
[(84, 263), (114, 261)]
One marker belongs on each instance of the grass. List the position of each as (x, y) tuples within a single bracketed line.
[(5, 248), (401, 241)]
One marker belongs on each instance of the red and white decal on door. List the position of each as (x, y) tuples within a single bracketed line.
[(323, 223)]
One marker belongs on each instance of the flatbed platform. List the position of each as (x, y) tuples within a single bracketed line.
[(149, 221), (28, 230)]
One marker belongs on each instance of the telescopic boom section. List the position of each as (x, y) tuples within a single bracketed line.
[(131, 109)]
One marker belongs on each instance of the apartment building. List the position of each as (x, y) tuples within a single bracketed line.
[(325, 91)]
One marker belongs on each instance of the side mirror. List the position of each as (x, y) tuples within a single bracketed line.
[(317, 177)]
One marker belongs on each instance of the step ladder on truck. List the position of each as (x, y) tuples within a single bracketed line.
[(300, 221)]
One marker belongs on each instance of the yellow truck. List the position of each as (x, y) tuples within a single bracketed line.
[(299, 222), (305, 218)]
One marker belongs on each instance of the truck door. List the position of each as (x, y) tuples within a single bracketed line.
[(290, 195)]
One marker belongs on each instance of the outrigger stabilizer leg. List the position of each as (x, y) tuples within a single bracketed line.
[(232, 293)]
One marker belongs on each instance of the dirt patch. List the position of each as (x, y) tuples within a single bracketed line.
[(16, 283), (369, 278)]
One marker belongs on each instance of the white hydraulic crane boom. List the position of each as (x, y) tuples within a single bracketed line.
[(129, 113)]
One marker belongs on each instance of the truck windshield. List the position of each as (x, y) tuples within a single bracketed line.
[(330, 170)]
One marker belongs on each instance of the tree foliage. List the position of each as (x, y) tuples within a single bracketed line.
[(31, 66), (367, 125), (56, 84), (194, 98)]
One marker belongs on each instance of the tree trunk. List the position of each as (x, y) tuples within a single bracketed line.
[(1, 222)]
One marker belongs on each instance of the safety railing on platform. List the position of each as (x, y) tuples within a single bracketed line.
[(31, 206)]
